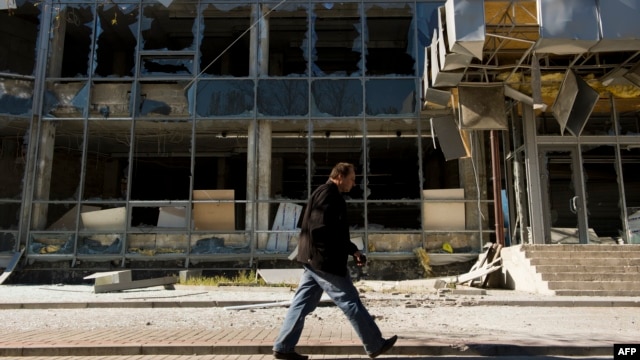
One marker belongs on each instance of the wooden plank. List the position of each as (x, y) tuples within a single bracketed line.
[(12, 265), (496, 257), (137, 284), (491, 267)]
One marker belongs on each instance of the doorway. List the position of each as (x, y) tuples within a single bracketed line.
[(581, 194)]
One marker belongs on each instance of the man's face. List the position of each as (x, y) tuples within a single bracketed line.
[(345, 184)]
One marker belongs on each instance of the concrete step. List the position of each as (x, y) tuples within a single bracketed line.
[(595, 285), (598, 293), (584, 247), (589, 276), (585, 261), (587, 270), (571, 268), (534, 254)]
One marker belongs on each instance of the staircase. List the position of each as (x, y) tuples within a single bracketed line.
[(573, 270)]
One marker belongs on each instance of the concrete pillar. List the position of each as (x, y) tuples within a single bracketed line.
[(471, 184), (43, 173), (251, 138), (46, 142), (533, 175), (251, 176), (259, 144), (264, 178)]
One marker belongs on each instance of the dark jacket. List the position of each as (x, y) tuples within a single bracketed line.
[(324, 237)]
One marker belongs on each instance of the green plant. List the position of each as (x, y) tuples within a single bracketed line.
[(241, 278)]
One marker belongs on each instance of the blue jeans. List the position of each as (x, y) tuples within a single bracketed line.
[(343, 293)]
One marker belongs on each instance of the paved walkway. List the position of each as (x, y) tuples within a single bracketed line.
[(319, 341)]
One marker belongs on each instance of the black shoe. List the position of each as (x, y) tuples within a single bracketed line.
[(388, 344), (289, 355)]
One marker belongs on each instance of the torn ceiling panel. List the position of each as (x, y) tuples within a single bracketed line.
[(449, 60), (574, 104), (465, 26), (481, 107), (449, 138), (567, 27), (441, 78), (620, 26)]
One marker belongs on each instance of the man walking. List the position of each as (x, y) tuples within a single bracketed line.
[(323, 249)]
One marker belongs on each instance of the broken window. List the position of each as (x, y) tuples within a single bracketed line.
[(334, 141), (59, 167), (221, 160), (13, 145), (393, 180), (604, 213), (117, 33), (61, 158), (18, 37), (337, 97), (219, 182), (72, 32), (393, 159), (390, 48), (288, 40), (106, 161), (336, 49), (290, 143), (161, 162), (630, 158), (168, 46), (224, 47), (168, 28)]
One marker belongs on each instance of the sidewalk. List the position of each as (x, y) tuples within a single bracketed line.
[(324, 337)]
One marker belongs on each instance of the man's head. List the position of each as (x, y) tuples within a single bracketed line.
[(343, 175)]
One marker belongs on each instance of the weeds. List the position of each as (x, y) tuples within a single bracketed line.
[(242, 278)]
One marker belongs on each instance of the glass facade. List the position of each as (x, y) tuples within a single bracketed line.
[(197, 130)]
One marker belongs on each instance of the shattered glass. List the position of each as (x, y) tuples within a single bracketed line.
[(117, 31), (76, 21), (224, 47), (336, 40), (389, 43)]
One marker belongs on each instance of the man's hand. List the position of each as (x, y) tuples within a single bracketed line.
[(359, 258)]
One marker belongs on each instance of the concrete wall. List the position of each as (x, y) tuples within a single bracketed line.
[(519, 274)]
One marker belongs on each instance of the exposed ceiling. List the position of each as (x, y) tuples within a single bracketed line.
[(511, 53)]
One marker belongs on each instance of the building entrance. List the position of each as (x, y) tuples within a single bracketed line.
[(582, 187)]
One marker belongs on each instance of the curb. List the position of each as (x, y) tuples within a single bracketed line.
[(208, 304), (346, 349)]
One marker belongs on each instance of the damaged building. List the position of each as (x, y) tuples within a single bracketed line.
[(172, 134)]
